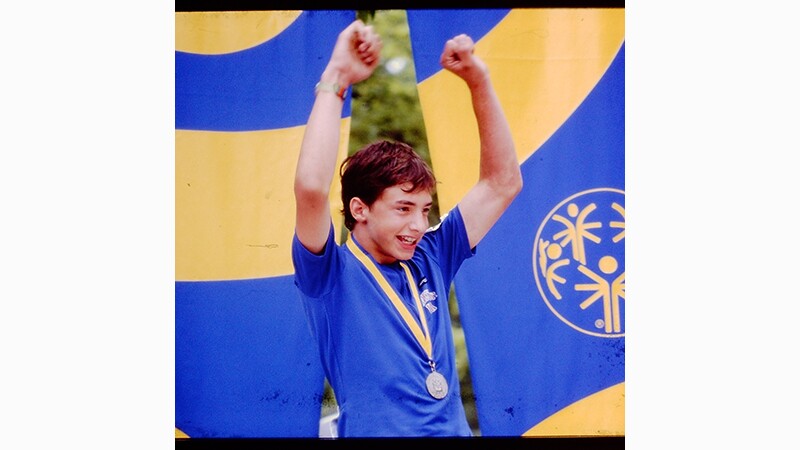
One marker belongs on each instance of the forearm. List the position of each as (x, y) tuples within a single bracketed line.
[(500, 179), (316, 164), (499, 166), (355, 56)]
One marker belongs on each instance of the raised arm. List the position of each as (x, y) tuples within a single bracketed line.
[(500, 179), (355, 56)]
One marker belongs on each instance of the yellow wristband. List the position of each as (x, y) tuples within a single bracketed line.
[(330, 87)]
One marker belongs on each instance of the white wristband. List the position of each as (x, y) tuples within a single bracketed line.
[(330, 87)]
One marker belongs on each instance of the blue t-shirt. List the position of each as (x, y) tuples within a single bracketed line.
[(372, 360)]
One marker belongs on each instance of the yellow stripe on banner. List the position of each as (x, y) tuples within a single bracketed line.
[(180, 434), (214, 33), (234, 202), (543, 64), (601, 414)]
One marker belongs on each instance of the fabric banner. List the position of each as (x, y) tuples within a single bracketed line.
[(542, 302), (245, 363)]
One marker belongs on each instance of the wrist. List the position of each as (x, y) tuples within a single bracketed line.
[(335, 88), (478, 80), (335, 75), (334, 81)]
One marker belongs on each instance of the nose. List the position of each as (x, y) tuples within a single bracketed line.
[(420, 222)]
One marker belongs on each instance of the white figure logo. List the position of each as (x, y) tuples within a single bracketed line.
[(579, 261)]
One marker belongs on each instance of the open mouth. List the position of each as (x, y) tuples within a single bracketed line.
[(407, 240)]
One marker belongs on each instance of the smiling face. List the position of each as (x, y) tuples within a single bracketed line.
[(367, 173), (392, 226)]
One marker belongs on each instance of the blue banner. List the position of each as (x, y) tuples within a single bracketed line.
[(245, 362), (543, 301)]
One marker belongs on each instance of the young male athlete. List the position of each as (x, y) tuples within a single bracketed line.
[(377, 305)]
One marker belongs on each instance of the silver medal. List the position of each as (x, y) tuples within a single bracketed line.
[(437, 385)]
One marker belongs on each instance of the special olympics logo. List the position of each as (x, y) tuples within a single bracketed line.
[(579, 261)]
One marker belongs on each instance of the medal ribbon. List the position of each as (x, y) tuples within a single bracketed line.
[(423, 338)]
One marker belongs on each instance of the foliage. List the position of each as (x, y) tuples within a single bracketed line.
[(386, 105), (365, 15)]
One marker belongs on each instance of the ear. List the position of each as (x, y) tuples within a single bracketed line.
[(358, 209)]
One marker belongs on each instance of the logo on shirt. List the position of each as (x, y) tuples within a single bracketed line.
[(579, 261), (427, 298)]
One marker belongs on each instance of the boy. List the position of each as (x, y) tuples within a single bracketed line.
[(377, 305)]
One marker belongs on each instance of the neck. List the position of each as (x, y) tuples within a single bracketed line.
[(371, 248)]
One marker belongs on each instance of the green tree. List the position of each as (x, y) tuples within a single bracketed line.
[(386, 105)]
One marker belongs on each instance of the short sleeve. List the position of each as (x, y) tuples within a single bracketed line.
[(315, 274), (448, 243)]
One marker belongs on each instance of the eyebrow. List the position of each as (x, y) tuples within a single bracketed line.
[(410, 203)]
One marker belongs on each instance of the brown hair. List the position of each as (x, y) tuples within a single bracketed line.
[(380, 165)]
